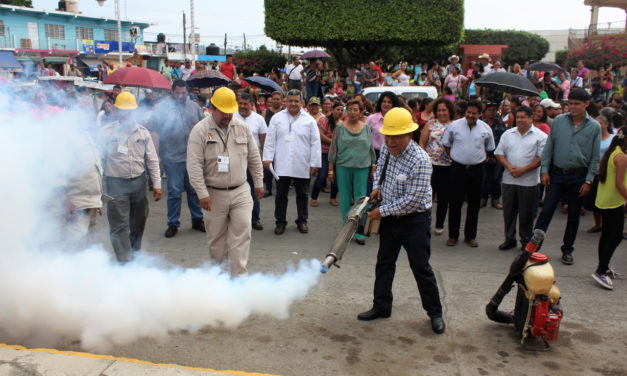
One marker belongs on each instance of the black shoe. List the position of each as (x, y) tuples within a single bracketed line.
[(258, 226), (171, 231), (279, 229), (373, 314), (303, 228), (437, 324), (507, 245), (361, 241), (267, 193), (199, 225), (568, 259)]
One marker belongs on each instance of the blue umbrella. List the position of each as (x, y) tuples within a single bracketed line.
[(264, 83)]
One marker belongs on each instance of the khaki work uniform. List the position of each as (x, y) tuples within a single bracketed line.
[(216, 164)]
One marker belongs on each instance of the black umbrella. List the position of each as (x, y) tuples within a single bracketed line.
[(544, 67), (264, 83), (509, 83), (315, 54)]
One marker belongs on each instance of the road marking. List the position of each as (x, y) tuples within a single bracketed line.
[(129, 360)]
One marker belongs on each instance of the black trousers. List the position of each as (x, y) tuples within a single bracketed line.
[(280, 202), (611, 236), (464, 184), (440, 187), (519, 203), (414, 234)]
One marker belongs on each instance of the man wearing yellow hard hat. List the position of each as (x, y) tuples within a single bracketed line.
[(128, 151), (403, 185), (219, 150)]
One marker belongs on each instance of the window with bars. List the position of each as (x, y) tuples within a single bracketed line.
[(110, 34), (1, 28), (84, 33), (55, 31)]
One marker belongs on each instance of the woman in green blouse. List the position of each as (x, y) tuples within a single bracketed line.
[(352, 155)]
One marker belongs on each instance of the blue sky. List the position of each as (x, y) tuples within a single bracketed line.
[(213, 19)]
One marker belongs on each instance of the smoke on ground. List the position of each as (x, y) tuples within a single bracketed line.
[(52, 289)]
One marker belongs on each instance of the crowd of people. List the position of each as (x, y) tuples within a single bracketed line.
[(230, 148)]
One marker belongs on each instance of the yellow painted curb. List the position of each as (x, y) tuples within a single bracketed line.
[(129, 360)]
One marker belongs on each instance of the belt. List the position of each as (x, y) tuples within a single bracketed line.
[(467, 167), (227, 188), (408, 216), (570, 171)]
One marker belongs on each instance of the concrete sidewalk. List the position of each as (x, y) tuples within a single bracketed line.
[(21, 361)]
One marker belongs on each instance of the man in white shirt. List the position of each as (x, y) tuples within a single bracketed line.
[(295, 74), (520, 151), (258, 128), (467, 141), (186, 71), (485, 59), (293, 144)]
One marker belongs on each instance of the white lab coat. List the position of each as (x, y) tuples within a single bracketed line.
[(293, 149)]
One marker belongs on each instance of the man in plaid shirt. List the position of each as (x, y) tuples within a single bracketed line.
[(402, 184)]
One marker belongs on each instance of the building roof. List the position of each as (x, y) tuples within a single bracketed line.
[(4, 9)]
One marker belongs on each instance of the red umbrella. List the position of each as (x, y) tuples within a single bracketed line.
[(138, 77)]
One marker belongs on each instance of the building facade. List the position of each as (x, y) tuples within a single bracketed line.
[(57, 37)]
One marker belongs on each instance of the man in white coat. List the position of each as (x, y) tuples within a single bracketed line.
[(293, 144)]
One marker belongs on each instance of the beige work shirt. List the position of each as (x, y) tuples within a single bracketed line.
[(208, 142), (128, 152)]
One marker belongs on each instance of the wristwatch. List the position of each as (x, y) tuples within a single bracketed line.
[(588, 182)]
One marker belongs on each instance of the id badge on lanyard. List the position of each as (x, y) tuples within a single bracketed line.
[(223, 163)]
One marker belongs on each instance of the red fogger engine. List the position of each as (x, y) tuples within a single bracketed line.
[(537, 313)]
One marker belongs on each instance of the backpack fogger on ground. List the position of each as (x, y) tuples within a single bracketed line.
[(356, 222), (538, 312)]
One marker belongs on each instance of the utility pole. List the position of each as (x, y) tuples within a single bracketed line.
[(193, 38), (225, 43), (244, 47), (184, 37)]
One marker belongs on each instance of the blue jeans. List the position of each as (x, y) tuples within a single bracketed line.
[(492, 182), (321, 179), (176, 173), (249, 179), (568, 184), (357, 87), (312, 89)]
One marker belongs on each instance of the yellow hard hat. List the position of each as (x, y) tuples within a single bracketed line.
[(398, 121), (125, 101), (224, 100)]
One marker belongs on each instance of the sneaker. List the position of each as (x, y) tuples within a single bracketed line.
[(603, 280)]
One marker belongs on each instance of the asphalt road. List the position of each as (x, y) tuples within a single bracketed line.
[(323, 337)]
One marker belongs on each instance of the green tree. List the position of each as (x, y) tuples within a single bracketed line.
[(522, 45), (22, 3), (258, 61), (364, 29)]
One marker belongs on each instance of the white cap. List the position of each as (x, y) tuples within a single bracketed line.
[(548, 103)]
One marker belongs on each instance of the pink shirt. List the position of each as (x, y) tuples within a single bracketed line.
[(565, 89), (375, 122), (544, 127)]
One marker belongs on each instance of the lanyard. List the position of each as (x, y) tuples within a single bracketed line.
[(224, 142)]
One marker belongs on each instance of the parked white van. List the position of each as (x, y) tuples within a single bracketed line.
[(409, 92)]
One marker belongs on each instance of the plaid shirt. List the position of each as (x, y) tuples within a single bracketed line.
[(407, 185)]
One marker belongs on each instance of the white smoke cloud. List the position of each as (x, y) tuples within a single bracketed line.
[(50, 293)]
